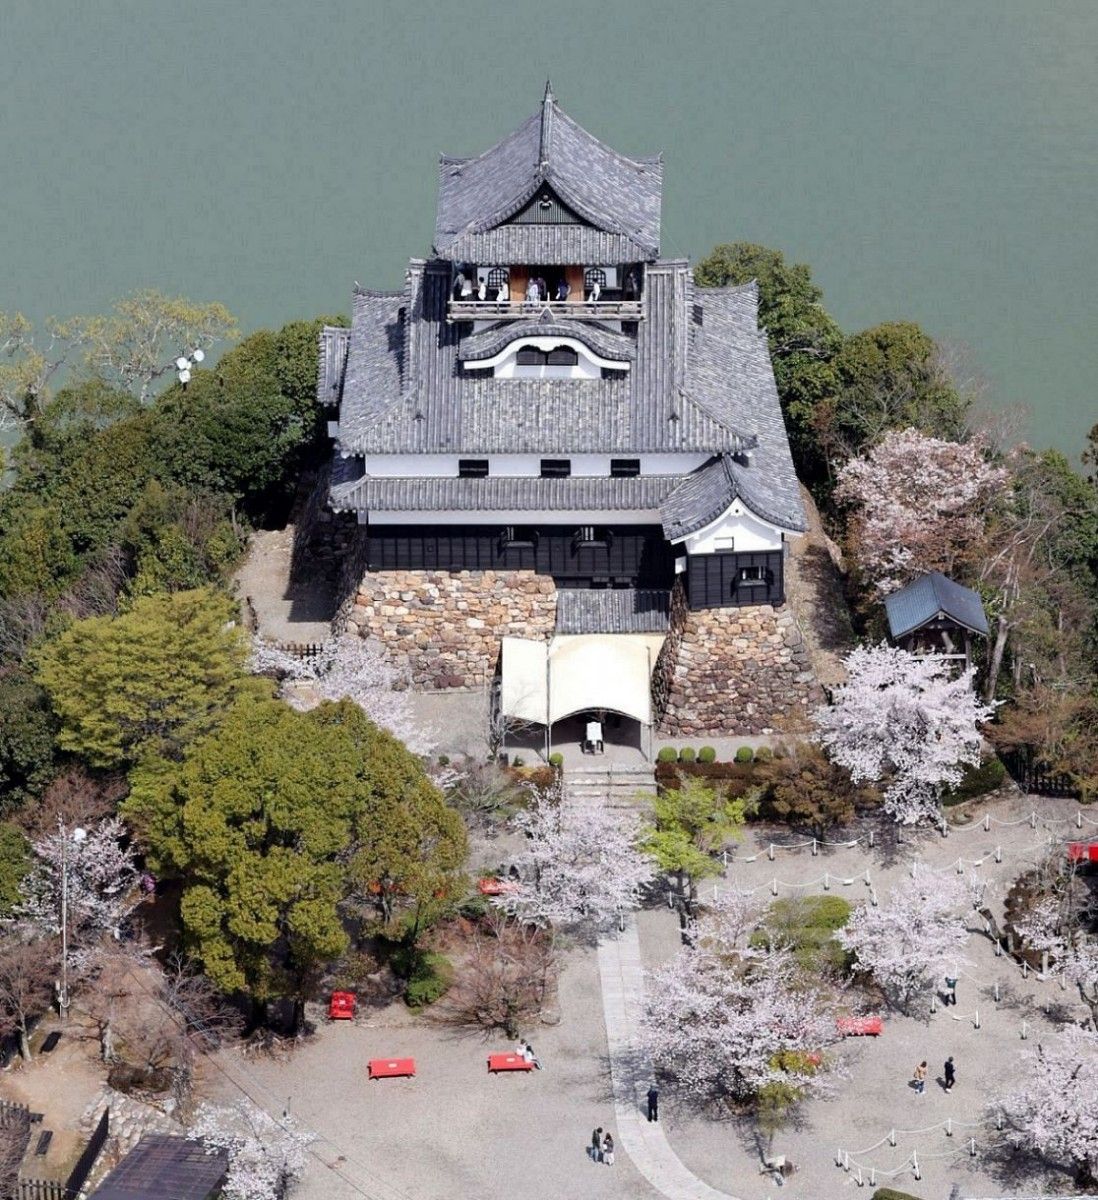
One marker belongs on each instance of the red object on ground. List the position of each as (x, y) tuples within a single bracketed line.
[(508, 1062), (341, 1007), (490, 886), (1083, 852), (389, 1068), (860, 1026)]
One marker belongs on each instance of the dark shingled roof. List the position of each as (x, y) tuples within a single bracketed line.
[(613, 610), (405, 390), (488, 342), (616, 195), (930, 595), (162, 1167), (698, 500), (579, 493)]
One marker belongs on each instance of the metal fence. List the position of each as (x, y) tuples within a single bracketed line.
[(54, 1189), (1031, 777)]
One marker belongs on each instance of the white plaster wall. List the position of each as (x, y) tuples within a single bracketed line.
[(746, 531), (418, 466)]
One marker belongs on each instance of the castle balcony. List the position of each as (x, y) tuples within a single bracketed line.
[(526, 310)]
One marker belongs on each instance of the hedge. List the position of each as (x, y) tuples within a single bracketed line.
[(431, 978), (667, 754), (976, 781), (707, 755), (687, 754), (556, 760), (892, 1194), (745, 754)]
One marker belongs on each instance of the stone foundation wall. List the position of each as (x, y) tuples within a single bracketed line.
[(732, 671), (448, 625)]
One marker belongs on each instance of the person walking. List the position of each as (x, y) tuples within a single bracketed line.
[(595, 1149), (608, 1149), (951, 990), (653, 1103), (950, 1074), (920, 1078), (530, 1056)]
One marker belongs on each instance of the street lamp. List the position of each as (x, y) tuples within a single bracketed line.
[(78, 836), (184, 363)]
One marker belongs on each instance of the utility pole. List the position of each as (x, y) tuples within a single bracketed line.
[(78, 835)]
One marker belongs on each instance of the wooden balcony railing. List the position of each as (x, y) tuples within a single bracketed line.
[(526, 310)]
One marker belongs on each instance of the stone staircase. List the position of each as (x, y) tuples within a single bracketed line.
[(615, 785)]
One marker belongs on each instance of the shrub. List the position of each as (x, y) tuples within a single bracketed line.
[(764, 754), (556, 760), (432, 975), (443, 760), (976, 781), (807, 924), (745, 754), (687, 754), (892, 1194), (518, 761), (667, 754), (707, 755)]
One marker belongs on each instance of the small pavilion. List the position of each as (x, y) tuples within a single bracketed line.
[(935, 615), (162, 1167)]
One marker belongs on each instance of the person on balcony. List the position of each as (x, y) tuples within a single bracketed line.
[(482, 290), (563, 290), (596, 291), (503, 296), (532, 293)]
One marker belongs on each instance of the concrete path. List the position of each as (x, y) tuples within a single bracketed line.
[(622, 977)]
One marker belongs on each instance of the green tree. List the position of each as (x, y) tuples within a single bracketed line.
[(36, 555), (259, 821), (694, 823), (15, 862), (889, 377), (148, 680), (803, 337), (410, 845), (27, 728)]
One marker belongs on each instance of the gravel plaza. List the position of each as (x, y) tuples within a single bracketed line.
[(455, 1130)]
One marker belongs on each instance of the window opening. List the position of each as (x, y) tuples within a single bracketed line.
[(624, 468), (472, 468), (556, 468)]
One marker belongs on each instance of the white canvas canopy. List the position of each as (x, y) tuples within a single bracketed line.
[(545, 682)]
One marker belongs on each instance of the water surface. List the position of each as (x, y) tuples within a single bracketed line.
[(935, 160)]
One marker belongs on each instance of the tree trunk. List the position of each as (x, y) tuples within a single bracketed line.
[(24, 1043), (995, 662)]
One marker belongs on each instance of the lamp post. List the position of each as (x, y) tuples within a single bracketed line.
[(78, 836), (185, 362)]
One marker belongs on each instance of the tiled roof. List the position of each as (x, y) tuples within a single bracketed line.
[(613, 610), (698, 500), (551, 245), (924, 598), (502, 494), (489, 342), (613, 193), (332, 363)]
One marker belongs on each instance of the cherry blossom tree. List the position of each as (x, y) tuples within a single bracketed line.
[(102, 878), (1056, 932), (905, 720), (917, 934), (266, 1156), (346, 667), (919, 504), (731, 1021), (581, 863), (1054, 1110)]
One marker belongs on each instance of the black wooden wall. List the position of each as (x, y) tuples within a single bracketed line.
[(630, 556), (713, 580)]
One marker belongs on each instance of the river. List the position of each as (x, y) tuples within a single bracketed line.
[(931, 159)]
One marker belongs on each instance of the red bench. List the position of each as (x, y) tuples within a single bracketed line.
[(496, 887), (341, 1007), (859, 1026), (508, 1062), (388, 1068), (1083, 852)]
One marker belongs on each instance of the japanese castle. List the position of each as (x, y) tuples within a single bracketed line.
[(547, 396)]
